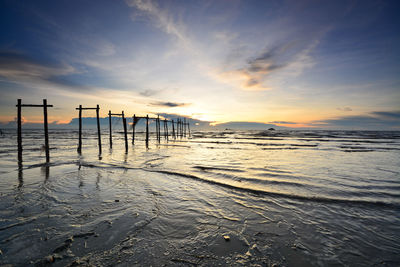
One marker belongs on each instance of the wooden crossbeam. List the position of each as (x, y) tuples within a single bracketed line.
[(143, 117), (35, 106), (86, 108)]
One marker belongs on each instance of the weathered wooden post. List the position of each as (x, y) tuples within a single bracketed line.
[(181, 126), (165, 136), (133, 129), (46, 131), (19, 131), (173, 129), (80, 130), (98, 127), (109, 123), (125, 131), (188, 129), (156, 129), (177, 127), (166, 129), (159, 130), (147, 131), (184, 125)]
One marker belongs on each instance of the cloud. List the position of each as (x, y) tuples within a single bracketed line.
[(345, 109), (169, 104), (293, 57), (42, 77), (266, 61), (378, 120), (388, 115), (17, 67), (283, 122), (162, 19), (149, 92)]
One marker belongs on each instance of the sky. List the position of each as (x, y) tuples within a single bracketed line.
[(317, 64)]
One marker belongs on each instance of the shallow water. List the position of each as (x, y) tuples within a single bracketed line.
[(292, 198)]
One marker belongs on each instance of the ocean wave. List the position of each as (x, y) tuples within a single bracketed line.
[(280, 194), (205, 168)]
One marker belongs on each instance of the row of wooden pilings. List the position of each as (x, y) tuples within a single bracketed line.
[(180, 128)]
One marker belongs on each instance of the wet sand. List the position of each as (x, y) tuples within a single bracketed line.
[(136, 209)]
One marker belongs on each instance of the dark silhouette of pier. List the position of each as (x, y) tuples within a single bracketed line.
[(180, 128)]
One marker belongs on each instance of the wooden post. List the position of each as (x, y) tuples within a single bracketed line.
[(98, 127), (80, 130), (177, 127), (46, 131), (189, 129), (147, 131), (165, 136), (181, 127), (184, 126), (109, 123), (173, 129), (125, 131), (133, 129), (19, 131), (166, 128), (159, 130)]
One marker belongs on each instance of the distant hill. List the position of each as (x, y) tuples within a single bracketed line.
[(244, 125), (91, 122)]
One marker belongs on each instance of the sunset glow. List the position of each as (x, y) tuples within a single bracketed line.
[(307, 63)]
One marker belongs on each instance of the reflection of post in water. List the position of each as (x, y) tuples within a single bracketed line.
[(45, 170), (20, 175), (98, 181), (80, 178), (125, 158)]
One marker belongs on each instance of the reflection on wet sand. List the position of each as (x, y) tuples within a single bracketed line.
[(177, 204)]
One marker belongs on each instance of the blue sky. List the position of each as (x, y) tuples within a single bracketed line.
[(332, 64)]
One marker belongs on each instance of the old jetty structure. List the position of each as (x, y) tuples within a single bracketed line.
[(45, 124), (180, 128)]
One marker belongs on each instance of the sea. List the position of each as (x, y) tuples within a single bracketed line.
[(228, 198)]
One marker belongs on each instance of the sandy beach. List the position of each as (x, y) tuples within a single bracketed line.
[(193, 202)]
